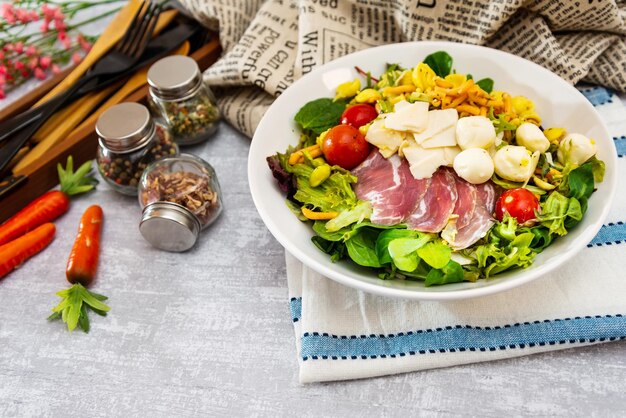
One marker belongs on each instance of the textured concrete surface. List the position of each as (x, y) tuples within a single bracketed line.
[(208, 333)]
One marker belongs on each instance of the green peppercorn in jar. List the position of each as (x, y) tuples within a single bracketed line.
[(182, 100), (128, 141)]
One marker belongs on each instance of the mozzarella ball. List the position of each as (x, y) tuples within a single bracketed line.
[(475, 132), (515, 163), (530, 136), (474, 165), (576, 148)]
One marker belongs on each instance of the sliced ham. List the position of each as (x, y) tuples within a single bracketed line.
[(389, 186), (481, 221), (465, 202), (434, 210)]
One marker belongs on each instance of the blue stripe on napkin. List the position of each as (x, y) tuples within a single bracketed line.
[(295, 306), (609, 234), (465, 338), (620, 144), (598, 95)]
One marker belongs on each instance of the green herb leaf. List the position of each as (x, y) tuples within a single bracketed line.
[(320, 114), (73, 308), (440, 62), (73, 183), (486, 84), (581, 182)]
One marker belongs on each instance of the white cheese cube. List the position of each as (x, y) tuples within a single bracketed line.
[(410, 117), (530, 136), (474, 165), (440, 131), (515, 163), (475, 132), (386, 139), (576, 148), (424, 162)]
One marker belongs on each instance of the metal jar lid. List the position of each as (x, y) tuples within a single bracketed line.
[(174, 77), (125, 127), (169, 226)]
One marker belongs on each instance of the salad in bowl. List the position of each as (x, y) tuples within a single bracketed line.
[(423, 173)]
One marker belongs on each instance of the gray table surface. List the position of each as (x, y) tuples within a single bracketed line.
[(208, 332)]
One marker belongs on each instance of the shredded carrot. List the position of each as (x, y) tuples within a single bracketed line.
[(318, 216), (472, 110), (443, 83), (298, 156)]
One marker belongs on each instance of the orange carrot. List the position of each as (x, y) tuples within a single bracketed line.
[(50, 205), (83, 260), (13, 254)]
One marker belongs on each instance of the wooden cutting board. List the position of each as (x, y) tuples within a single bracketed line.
[(81, 143)]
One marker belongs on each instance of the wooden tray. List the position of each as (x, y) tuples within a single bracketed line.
[(81, 144)]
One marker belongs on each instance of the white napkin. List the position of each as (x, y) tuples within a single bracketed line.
[(343, 333)]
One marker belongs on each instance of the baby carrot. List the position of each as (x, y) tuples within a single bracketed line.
[(16, 252), (83, 261)]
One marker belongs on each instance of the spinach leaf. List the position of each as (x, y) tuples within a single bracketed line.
[(435, 254), (336, 249), (362, 247), (452, 272), (403, 251), (486, 84), (440, 62), (385, 237), (320, 114), (581, 182)]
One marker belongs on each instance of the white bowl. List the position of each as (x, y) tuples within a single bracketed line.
[(557, 102)]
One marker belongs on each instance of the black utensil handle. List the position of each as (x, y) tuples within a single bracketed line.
[(21, 137), (10, 184)]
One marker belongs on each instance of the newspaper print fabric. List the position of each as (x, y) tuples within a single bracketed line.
[(268, 44)]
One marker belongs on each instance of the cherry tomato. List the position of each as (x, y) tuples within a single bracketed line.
[(345, 146), (519, 203), (358, 115)]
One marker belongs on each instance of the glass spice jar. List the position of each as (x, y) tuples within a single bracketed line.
[(179, 96), (179, 196), (128, 141)]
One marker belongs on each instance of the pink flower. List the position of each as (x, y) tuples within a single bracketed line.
[(19, 65), (2, 94), (1, 55), (45, 26), (22, 15), (31, 50), (44, 62), (48, 11), (33, 63), (3, 70), (60, 25), (34, 15), (76, 58), (19, 47), (8, 12), (55, 69), (25, 73), (2, 81), (84, 44), (67, 43), (58, 14), (39, 73)]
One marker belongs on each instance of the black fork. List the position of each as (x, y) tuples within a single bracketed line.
[(121, 58)]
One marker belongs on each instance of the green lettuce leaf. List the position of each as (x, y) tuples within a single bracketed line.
[(385, 237), (403, 251), (435, 254), (362, 247), (559, 213)]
